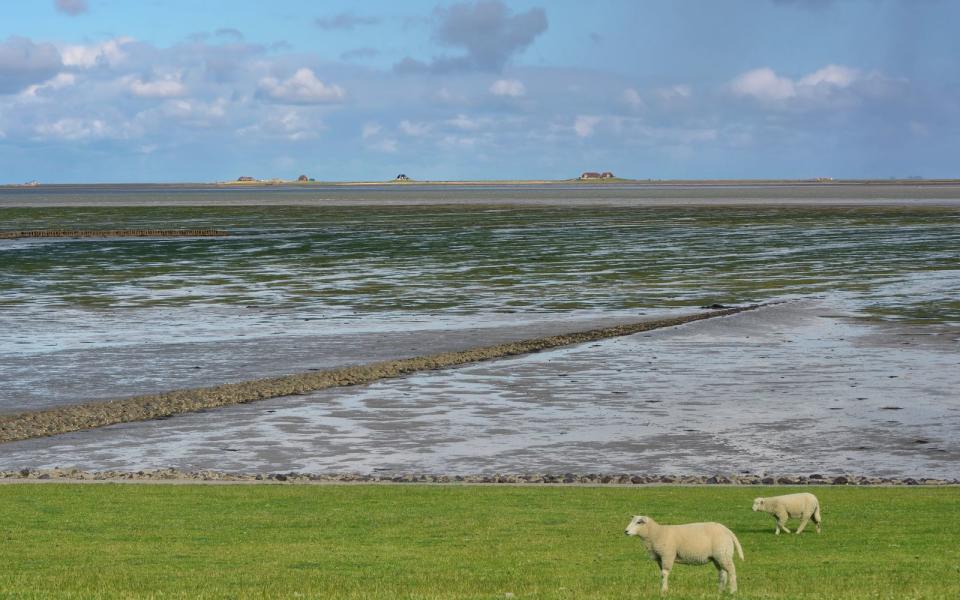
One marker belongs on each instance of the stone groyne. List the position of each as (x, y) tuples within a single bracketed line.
[(110, 233), (77, 417)]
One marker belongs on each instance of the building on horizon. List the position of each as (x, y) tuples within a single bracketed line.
[(596, 175)]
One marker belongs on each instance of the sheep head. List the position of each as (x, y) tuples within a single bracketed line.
[(757, 504), (639, 525)]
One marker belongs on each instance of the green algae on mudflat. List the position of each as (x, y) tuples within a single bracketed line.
[(477, 259)]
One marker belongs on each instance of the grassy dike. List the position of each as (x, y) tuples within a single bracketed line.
[(456, 541)]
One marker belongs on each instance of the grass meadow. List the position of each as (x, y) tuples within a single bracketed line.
[(456, 541)]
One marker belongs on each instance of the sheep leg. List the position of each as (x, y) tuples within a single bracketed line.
[(665, 565), (816, 518), (803, 523), (782, 523), (664, 580), (722, 576), (732, 571), (726, 572)]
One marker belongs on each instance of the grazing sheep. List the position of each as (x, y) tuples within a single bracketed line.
[(802, 506), (692, 544)]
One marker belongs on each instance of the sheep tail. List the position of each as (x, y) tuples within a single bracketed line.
[(816, 515), (736, 543)]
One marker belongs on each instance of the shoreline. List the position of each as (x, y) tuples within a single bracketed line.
[(946, 181), (172, 476), (478, 195)]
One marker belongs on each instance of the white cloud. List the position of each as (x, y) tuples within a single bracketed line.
[(584, 125), (370, 134), (195, 112), (458, 142), (59, 81), (830, 86), (295, 126), (168, 86), (508, 87), (466, 123), (835, 75), (414, 129), (302, 87), (370, 130), (674, 93), (763, 84), (632, 97), (108, 53), (287, 123), (74, 129)]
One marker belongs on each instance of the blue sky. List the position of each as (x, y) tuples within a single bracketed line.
[(154, 90)]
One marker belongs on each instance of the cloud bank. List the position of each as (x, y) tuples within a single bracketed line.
[(71, 7), (489, 35)]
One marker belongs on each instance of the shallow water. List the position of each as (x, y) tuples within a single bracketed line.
[(784, 390), (293, 285)]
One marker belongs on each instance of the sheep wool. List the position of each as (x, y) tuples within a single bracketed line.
[(692, 544), (804, 506)]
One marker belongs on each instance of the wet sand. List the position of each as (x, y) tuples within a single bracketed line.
[(793, 389), (75, 417), (123, 363)]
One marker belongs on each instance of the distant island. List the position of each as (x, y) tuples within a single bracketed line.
[(590, 177)]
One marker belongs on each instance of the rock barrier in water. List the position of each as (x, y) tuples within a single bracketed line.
[(177, 475), (110, 233), (76, 417)]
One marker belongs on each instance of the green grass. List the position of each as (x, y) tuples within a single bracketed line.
[(92, 541)]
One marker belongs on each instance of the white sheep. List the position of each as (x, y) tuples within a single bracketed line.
[(803, 506), (691, 544)]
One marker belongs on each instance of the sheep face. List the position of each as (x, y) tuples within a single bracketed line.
[(638, 526), (757, 504)]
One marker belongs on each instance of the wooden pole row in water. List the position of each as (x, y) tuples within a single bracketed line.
[(88, 233)]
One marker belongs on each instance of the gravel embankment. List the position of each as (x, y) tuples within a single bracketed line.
[(178, 476), (110, 233), (77, 417)]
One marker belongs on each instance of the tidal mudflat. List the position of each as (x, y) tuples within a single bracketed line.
[(822, 383), (791, 389)]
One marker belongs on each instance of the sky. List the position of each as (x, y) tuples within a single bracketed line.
[(187, 90)]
